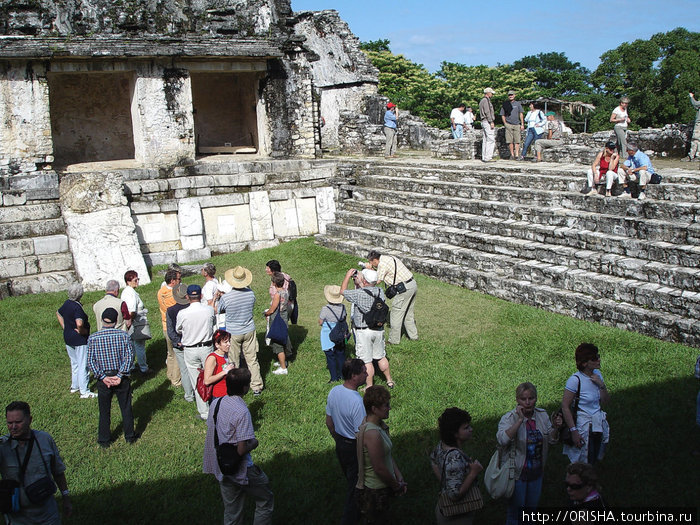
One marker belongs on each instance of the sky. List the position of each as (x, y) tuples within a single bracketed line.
[(429, 32)]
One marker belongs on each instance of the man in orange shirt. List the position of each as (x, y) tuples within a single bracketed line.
[(165, 301)]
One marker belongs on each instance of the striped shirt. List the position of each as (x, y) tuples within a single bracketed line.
[(238, 306), (233, 424), (385, 270), (110, 349)]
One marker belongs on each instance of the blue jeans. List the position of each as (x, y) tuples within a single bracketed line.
[(458, 131), (335, 357), (526, 494), (140, 351), (530, 137), (78, 368)]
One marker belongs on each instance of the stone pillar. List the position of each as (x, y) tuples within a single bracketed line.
[(100, 229), (161, 112)]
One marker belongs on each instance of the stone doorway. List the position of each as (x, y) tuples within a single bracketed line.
[(225, 116), (91, 116)]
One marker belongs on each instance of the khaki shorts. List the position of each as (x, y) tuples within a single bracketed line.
[(512, 133), (369, 345)]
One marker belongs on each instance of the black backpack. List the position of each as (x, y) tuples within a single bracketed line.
[(375, 317), (292, 290), (340, 332)]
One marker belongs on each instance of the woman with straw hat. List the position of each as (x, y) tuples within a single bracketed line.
[(332, 314)]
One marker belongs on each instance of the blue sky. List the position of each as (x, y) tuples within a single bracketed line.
[(429, 32)]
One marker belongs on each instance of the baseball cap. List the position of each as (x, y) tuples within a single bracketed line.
[(110, 315), (194, 290)]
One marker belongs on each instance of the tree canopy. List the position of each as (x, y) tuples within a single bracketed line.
[(656, 74)]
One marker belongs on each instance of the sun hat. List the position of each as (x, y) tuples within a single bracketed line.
[(332, 293), (370, 275), (238, 277)]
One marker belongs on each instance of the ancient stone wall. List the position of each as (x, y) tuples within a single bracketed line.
[(163, 17)]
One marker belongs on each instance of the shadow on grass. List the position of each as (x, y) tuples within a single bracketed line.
[(648, 464)]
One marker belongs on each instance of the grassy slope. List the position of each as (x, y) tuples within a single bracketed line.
[(473, 352)]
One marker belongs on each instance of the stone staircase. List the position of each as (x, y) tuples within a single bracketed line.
[(525, 233)]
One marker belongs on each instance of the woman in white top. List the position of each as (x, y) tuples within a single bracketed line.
[(589, 431), (620, 118), (536, 124)]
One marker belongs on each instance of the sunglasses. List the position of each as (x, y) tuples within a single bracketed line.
[(574, 486)]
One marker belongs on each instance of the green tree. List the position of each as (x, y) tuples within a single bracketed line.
[(376, 45), (656, 75), (555, 75)]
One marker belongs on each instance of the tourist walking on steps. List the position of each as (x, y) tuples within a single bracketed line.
[(488, 125), (536, 123), (512, 116), (605, 169), (621, 118), (694, 153), (390, 124), (393, 273), (76, 329), (554, 136), (457, 121)]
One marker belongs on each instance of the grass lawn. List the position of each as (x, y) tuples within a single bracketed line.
[(473, 352)]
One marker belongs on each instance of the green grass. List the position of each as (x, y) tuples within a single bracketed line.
[(473, 352)]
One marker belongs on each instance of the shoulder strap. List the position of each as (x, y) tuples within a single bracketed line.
[(216, 430), (394, 270), (444, 463), (361, 455)]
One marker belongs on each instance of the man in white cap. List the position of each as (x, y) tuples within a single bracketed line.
[(488, 125), (369, 342), (238, 306)]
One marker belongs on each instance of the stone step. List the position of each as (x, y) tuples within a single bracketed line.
[(634, 225), (636, 292), (29, 212), (650, 208), (681, 188), (39, 228), (574, 304), (554, 254), (568, 236), (41, 283), (30, 265)]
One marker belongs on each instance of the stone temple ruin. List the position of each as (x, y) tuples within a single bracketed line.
[(136, 133), (112, 114)]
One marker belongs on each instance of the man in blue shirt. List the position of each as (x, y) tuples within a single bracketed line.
[(390, 120), (638, 167)]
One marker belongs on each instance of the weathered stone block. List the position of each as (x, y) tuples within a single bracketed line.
[(284, 218), (189, 217), (16, 248), (261, 216), (14, 199), (50, 244), (91, 192), (104, 245), (12, 267), (157, 227), (54, 263), (227, 224), (184, 256), (192, 242), (306, 213), (44, 283)]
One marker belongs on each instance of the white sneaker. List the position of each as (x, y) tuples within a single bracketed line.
[(74, 390), (276, 365), (280, 372), (88, 395), (641, 196)]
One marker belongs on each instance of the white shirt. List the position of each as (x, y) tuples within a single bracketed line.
[(196, 324), (132, 299), (209, 289), (620, 114), (457, 115)]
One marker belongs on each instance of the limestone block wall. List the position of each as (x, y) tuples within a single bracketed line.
[(223, 207), (34, 251)]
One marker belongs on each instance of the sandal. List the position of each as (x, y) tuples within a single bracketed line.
[(390, 384)]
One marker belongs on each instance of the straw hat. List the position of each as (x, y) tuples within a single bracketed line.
[(180, 294), (332, 293), (238, 277)]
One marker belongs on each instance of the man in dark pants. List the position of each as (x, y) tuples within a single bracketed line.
[(344, 414), (110, 358)]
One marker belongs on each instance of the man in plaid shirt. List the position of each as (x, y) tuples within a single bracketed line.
[(110, 359)]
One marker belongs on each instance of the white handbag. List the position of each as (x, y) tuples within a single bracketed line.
[(499, 477)]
